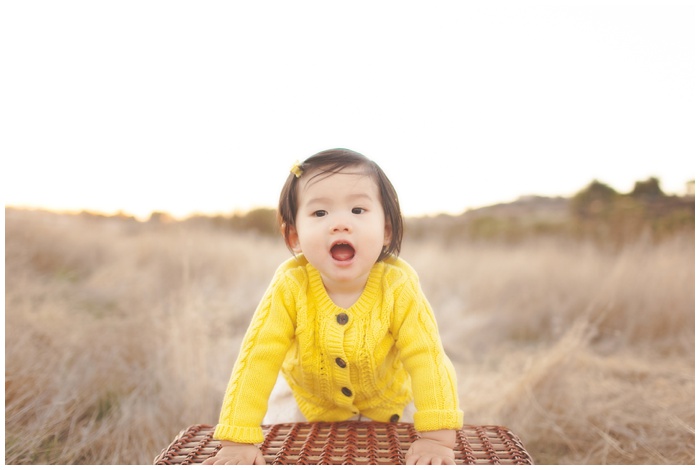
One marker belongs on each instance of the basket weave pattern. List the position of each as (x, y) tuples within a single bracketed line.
[(349, 442)]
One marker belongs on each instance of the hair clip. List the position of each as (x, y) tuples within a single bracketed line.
[(296, 169)]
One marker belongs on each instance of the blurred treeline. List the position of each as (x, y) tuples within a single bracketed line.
[(597, 212)]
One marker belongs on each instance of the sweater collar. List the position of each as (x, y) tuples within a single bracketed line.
[(366, 301)]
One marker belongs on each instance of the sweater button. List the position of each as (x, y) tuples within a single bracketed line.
[(340, 362), (394, 418), (342, 318), (346, 391)]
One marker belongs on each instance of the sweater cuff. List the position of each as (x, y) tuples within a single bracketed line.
[(435, 420), (240, 434)]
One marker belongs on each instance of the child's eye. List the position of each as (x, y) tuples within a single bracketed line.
[(358, 210), (320, 213)]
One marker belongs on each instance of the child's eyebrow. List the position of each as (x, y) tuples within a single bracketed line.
[(355, 196), (317, 200)]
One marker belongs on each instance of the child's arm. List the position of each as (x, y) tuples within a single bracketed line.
[(233, 453), (433, 448), (433, 377), (256, 369)]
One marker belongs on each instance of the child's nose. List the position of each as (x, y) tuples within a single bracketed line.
[(340, 224)]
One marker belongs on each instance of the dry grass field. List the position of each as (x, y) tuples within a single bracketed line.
[(119, 334)]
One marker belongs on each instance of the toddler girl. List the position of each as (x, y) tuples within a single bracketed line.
[(344, 320)]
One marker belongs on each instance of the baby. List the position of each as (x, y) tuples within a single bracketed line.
[(344, 320)]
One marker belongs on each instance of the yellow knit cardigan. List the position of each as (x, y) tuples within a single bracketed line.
[(371, 359)]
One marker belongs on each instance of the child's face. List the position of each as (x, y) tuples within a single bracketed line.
[(340, 225)]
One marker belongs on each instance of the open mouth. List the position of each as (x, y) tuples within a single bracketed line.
[(342, 251)]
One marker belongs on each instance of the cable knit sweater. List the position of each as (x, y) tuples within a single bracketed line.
[(371, 359)]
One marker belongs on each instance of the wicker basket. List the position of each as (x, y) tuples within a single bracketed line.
[(349, 442)]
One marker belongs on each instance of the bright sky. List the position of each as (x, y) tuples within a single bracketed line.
[(202, 106)]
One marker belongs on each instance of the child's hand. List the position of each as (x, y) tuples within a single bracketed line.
[(433, 448), (233, 453)]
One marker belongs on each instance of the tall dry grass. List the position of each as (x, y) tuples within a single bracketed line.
[(588, 355), (120, 334)]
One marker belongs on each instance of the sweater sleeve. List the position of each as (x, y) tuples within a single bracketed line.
[(433, 376), (255, 372)]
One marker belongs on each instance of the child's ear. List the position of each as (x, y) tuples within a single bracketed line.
[(293, 240), (387, 234)]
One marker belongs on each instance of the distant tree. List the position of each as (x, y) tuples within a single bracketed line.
[(647, 190), (262, 221), (158, 217), (594, 200)]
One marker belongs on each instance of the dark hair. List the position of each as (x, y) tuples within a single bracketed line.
[(331, 162)]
